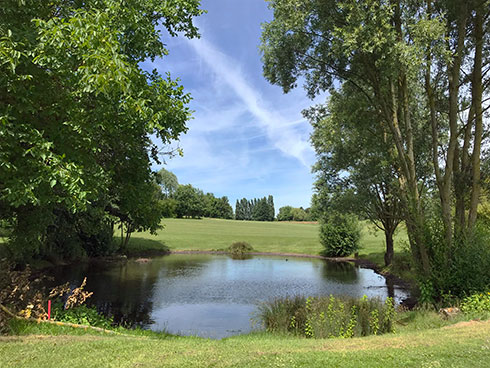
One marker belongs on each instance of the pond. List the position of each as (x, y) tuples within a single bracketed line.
[(214, 295)]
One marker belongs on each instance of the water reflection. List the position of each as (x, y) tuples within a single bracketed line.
[(240, 256), (343, 272), (213, 295)]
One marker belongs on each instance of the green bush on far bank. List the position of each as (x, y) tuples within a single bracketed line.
[(340, 234)]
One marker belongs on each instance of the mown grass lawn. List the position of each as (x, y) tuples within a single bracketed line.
[(215, 234), (275, 237), (466, 344)]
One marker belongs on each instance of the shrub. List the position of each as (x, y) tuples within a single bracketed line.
[(324, 317), (465, 268), (239, 248), (476, 305), (26, 296), (339, 235), (81, 315)]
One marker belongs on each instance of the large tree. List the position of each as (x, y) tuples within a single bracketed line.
[(388, 50), (77, 111), (168, 182), (356, 170), (190, 202)]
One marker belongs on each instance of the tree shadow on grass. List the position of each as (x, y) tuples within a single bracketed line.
[(141, 247)]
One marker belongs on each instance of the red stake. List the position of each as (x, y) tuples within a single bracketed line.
[(49, 309)]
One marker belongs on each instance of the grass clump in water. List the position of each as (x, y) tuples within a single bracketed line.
[(324, 317), (240, 248)]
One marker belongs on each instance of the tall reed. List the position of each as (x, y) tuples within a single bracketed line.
[(324, 317)]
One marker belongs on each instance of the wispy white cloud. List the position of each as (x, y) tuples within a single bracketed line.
[(207, 119), (281, 132), (246, 138)]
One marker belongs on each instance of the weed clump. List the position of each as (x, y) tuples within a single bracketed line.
[(477, 305), (240, 248), (325, 317)]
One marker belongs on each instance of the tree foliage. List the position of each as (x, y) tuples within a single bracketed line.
[(285, 214), (289, 213), (261, 209), (422, 69), (168, 182), (187, 201), (190, 202), (356, 171), (217, 207), (339, 234), (77, 111)]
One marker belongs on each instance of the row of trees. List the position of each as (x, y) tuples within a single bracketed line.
[(76, 116), (401, 137), (187, 201), (261, 209), (289, 213)]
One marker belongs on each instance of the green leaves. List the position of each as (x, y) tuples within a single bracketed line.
[(76, 109)]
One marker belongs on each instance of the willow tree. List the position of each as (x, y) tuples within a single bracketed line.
[(388, 50), (355, 168), (77, 110)]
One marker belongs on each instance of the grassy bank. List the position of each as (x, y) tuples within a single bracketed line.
[(269, 237), (273, 237), (466, 344), (214, 234)]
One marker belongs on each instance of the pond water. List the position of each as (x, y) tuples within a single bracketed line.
[(214, 295)]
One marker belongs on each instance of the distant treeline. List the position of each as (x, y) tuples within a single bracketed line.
[(256, 209), (289, 213), (187, 201)]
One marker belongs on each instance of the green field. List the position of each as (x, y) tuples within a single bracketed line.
[(216, 234), (273, 237), (466, 344)]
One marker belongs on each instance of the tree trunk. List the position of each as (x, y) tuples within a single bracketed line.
[(454, 73), (122, 236), (462, 179), (389, 247), (477, 95), (405, 150)]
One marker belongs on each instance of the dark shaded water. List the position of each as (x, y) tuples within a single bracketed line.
[(213, 295)]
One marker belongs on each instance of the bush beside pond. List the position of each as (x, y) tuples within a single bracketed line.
[(240, 248), (340, 234), (324, 317)]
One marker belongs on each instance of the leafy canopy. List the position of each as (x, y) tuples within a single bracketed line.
[(77, 110)]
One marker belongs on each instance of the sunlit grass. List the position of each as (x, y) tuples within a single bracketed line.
[(270, 237), (463, 345), (215, 234)]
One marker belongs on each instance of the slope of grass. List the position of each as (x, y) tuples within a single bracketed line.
[(273, 237), (216, 234), (465, 344)]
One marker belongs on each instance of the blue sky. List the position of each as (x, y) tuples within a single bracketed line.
[(247, 138)]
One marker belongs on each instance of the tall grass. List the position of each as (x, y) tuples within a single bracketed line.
[(324, 317)]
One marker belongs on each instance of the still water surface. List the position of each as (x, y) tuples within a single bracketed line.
[(214, 295)]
